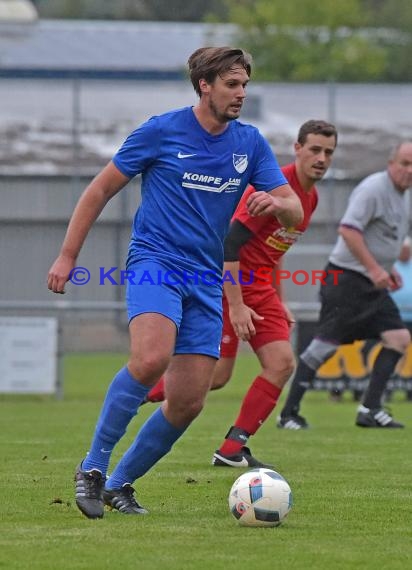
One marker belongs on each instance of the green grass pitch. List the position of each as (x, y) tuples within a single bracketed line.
[(352, 487)]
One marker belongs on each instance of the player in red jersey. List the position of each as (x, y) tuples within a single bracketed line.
[(252, 303)]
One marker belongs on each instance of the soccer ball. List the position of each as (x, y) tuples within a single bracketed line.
[(260, 497)]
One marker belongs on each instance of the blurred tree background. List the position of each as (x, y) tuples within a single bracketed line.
[(153, 10), (292, 40)]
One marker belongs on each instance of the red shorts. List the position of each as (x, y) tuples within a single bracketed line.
[(274, 326)]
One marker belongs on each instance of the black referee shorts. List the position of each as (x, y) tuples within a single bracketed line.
[(352, 308)]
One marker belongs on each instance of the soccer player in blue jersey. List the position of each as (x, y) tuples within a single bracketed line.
[(195, 163)]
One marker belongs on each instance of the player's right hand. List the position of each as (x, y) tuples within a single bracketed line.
[(380, 277), (242, 317), (59, 274), (263, 204)]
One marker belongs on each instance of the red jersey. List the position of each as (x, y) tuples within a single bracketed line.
[(271, 240)]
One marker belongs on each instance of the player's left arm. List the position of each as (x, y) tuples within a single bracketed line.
[(281, 202)]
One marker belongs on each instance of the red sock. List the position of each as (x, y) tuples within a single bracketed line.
[(157, 393), (260, 400)]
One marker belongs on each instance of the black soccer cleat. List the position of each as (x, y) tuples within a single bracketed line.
[(376, 418), (293, 422), (123, 500), (89, 489), (242, 459)]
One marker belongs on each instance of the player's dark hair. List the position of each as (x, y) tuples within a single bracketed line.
[(317, 127), (209, 62)]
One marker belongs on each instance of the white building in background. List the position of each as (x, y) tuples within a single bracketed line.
[(17, 11)]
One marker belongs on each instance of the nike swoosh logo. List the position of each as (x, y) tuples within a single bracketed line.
[(242, 463), (181, 155), (103, 450)]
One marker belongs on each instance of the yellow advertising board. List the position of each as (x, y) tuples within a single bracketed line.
[(353, 361)]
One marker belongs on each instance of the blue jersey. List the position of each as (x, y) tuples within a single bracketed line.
[(191, 184)]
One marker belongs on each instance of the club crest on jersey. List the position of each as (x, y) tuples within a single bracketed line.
[(240, 162)]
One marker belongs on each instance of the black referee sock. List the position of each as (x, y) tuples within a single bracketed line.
[(385, 364), (301, 382)]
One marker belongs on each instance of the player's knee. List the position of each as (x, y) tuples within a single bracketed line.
[(398, 340), (289, 365), (286, 366), (317, 353), (184, 411), (181, 411), (148, 367), (280, 372), (194, 408)]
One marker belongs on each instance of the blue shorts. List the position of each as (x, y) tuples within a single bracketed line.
[(192, 303)]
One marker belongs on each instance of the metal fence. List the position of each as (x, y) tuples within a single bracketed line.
[(79, 330), (57, 134)]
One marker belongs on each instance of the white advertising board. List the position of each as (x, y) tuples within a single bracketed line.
[(28, 355)]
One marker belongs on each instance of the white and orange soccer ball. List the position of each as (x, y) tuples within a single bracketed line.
[(260, 497)]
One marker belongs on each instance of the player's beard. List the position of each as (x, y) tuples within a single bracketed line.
[(317, 175), (221, 117)]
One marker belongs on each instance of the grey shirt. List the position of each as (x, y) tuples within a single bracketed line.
[(381, 213)]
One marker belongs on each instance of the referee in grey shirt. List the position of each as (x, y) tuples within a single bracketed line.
[(358, 306)]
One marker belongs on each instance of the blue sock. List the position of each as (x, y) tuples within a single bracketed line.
[(124, 396), (153, 441)]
